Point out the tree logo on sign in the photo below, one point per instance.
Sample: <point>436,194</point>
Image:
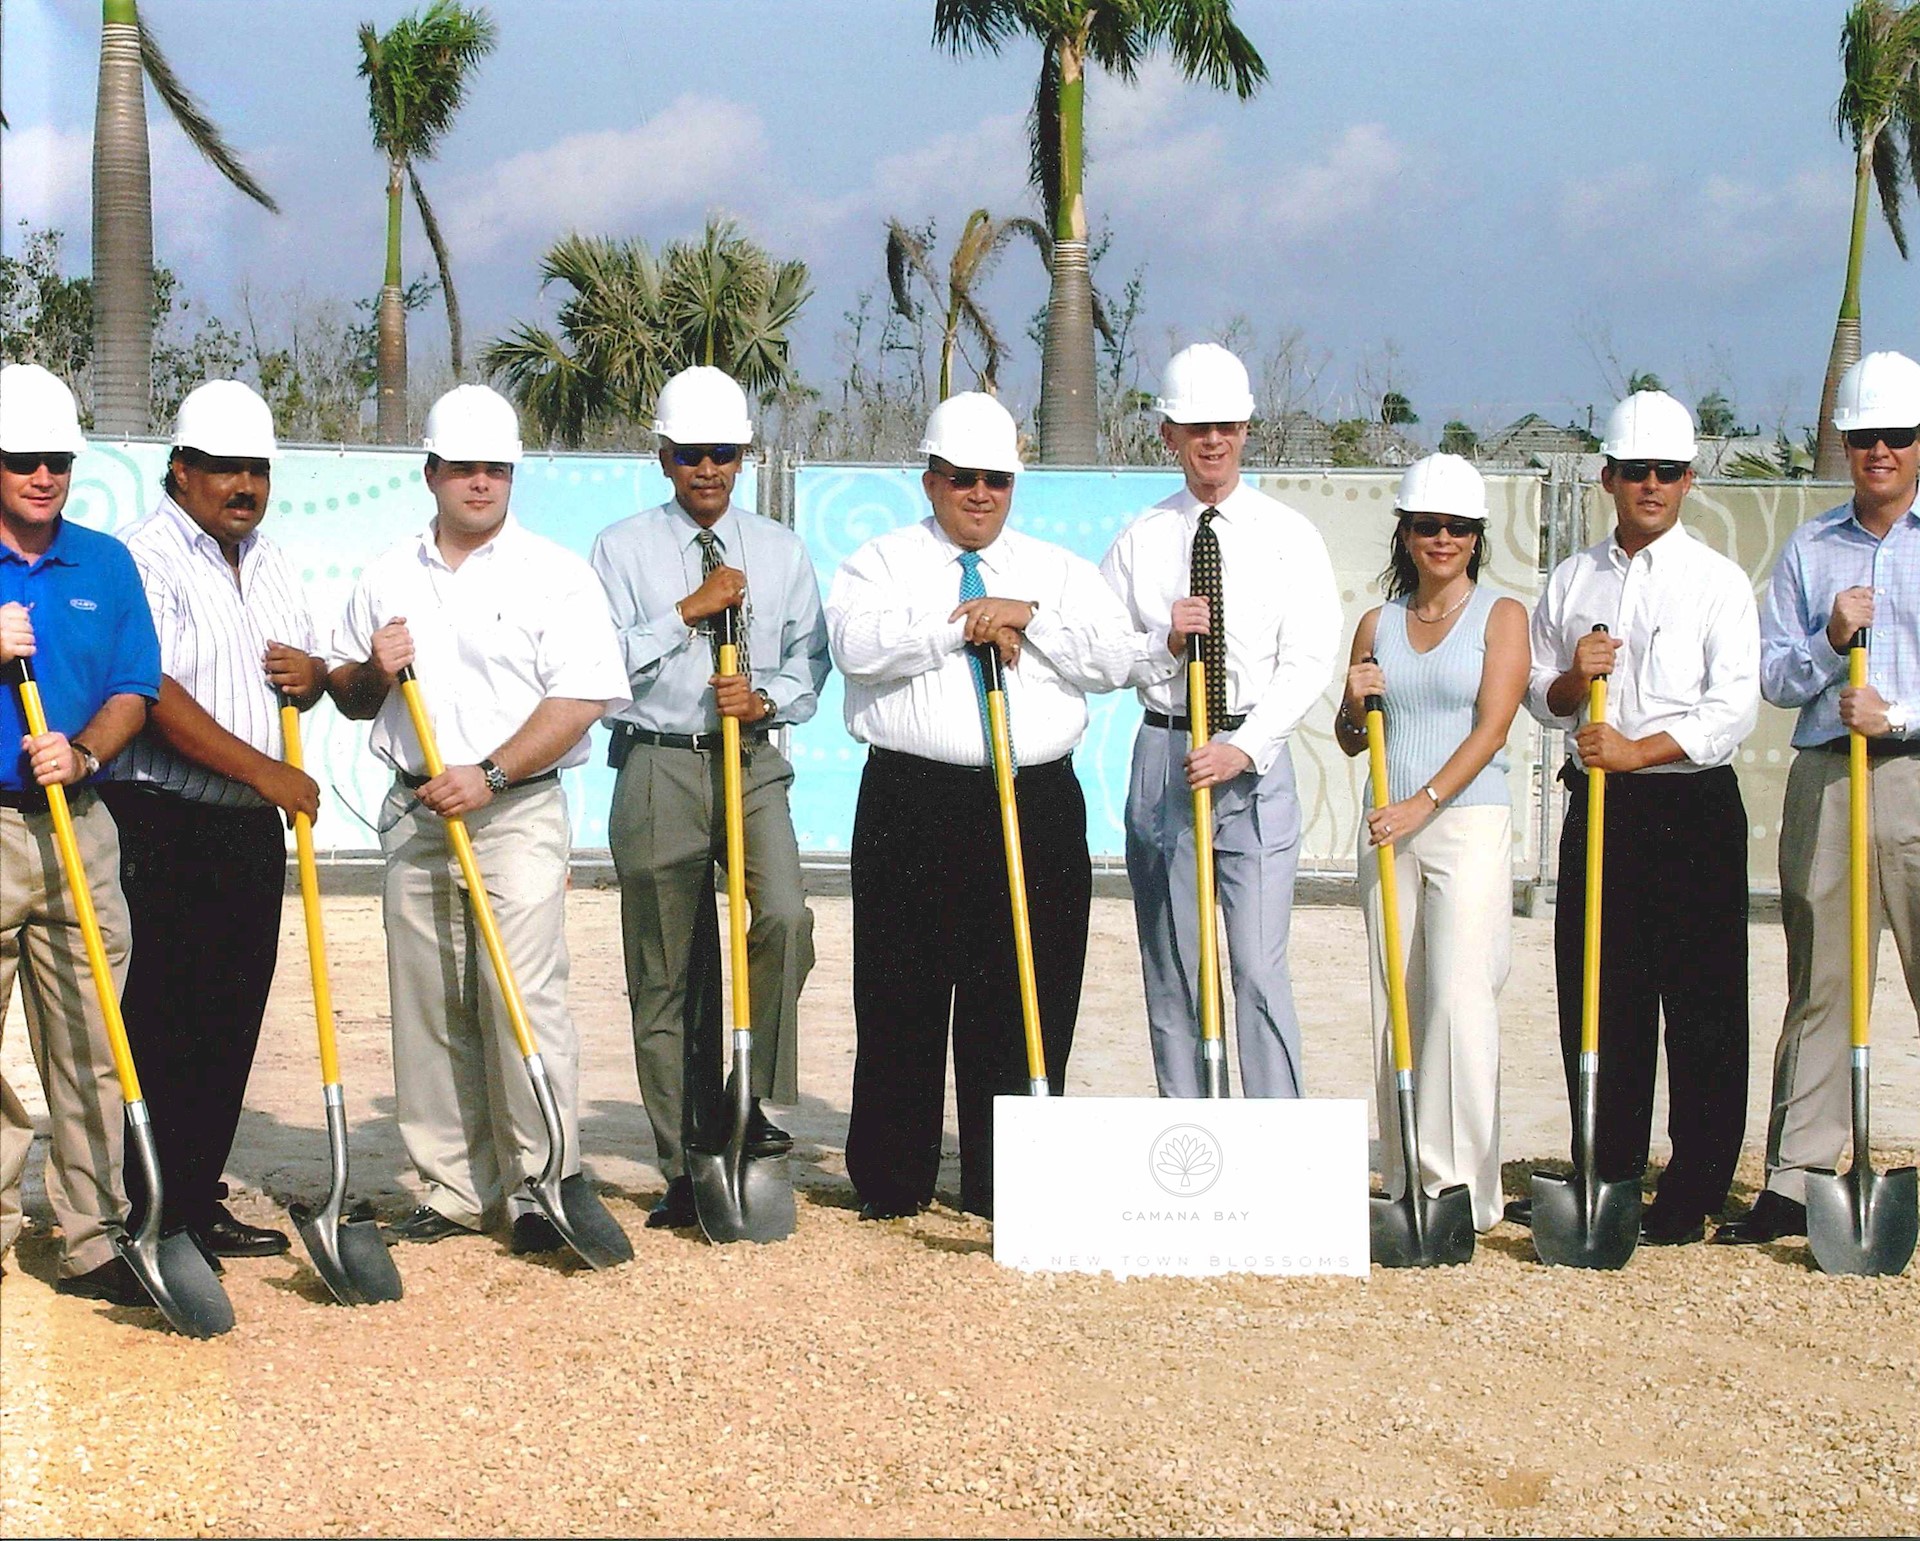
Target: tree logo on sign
<point>1185,1160</point>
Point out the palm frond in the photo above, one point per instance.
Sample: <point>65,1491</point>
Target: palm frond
<point>968,26</point>
<point>906,256</point>
<point>439,245</point>
<point>1043,138</point>
<point>1889,177</point>
<point>201,131</point>
<point>418,72</point>
<point>1206,44</point>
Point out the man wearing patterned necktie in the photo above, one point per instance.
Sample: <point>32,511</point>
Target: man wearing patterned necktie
<point>1250,578</point>
<point>932,932</point>
<point>669,573</point>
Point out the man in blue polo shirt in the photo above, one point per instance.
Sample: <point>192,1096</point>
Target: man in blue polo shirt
<point>70,599</point>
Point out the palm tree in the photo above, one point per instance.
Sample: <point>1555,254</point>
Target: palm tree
<point>416,77</point>
<point>982,239</point>
<point>634,319</point>
<point>1879,111</point>
<point>1117,35</point>
<point>123,210</point>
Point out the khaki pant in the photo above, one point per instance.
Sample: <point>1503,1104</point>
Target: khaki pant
<point>1812,1116</point>
<point>41,944</point>
<point>465,1105</point>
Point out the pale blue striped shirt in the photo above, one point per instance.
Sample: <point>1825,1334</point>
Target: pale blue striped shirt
<point>1798,666</point>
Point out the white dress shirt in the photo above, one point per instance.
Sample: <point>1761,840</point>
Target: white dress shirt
<point>520,620</point>
<point>1283,610</point>
<point>1690,666</point>
<point>213,640</point>
<point>909,685</point>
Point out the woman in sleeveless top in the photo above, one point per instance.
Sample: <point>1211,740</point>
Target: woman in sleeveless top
<point>1450,661</point>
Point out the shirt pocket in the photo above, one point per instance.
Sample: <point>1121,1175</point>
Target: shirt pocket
<point>1670,672</point>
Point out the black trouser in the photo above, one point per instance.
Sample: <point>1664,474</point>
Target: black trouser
<point>1673,940</point>
<point>203,888</point>
<point>933,941</point>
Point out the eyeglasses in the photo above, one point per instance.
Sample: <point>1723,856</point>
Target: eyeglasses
<point>687,456</point>
<point>1667,472</point>
<point>1857,438</point>
<point>1428,525</point>
<point>29,462</point>
<point>964,481</point>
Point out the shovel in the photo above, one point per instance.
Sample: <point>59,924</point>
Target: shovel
<point>569,1202</point>
<point>172,1268</point>
<point>1580,1221</point>
<point>1415,1231</point>
<point>1213,1046</point>
<point>737,1196</point>
<point>1861,1221</point>
<point>349,1254</point>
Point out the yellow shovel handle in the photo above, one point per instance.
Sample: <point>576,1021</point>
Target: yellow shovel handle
<point>1858,829</point>
<point>1389,897</point>
<point>1596,857</point>
<point>736,851</point>
<point>1201,731</point>
<point>1016,884</point>
<point>310,903</point>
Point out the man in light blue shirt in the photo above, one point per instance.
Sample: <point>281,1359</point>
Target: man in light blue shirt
<point>669,573</point>
<point>1853,568</point>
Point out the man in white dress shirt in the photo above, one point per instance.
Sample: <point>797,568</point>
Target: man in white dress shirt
<point>1682,656</point>
<point>932,932</point>
<point>199,798</point>
<point>516,658</point>
<point>1269,657</point>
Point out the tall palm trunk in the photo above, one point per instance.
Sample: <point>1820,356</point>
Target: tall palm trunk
<point>1829,453</point>
<point>391,354</point>
<point>1069,420</point>
<point>122,230</point>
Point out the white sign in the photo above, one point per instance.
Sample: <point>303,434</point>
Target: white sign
<point>1145,1185</point>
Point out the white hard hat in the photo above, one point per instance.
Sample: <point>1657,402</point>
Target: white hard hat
<point>1650,425</point>
<point>703,405</point>
<point>473,423</point>
<point>37,412</point>
<point>1442,484</point>
<point>1881,391</point>
<point>974,432</point>
<point>225,418</point>
<point>1205,384</point>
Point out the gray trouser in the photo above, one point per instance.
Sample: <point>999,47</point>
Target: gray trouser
<point>667,829</point>
<point>466,1108</point>
<point>1812,1115</point>
<point>40,941</point>
<point>1256,844</point>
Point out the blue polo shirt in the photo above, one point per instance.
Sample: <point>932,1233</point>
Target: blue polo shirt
<point>93,636</point>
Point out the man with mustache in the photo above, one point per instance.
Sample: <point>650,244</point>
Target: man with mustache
<point>199,797</point>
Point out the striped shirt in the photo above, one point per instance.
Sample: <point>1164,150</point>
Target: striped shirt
<point>213,642</point>
<point>1432,702</point>
<point>1798,666</point>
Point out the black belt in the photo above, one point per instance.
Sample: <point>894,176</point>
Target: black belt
<point>900,760</point>
<point>704,743</point>
<point>1877,748</point>
<point>25,799</point>
<point>413,783</point>
<point>1180,724</point>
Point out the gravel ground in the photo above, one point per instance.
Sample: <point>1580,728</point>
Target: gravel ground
<point>880,1379</point>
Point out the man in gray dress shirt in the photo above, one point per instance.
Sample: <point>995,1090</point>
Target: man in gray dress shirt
<point>669,572</point>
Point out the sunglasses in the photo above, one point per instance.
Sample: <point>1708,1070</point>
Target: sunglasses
<point>1866,438</point>
<point>687,456</point>
<point>964,481</point>
<point>26,464</point>
<point>1667,472</point>
<point>1430,525</point>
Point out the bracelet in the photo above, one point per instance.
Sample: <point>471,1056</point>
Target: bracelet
<point>1428,789</point>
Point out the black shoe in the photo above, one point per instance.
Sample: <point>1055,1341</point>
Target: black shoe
<point>1518,1212</point>
<point>534,1232</point>
<point>223,1236</point>
<point>1671,1226</point>
<point>1773,1215</point>
<point>427,1224</point>
<point>114,1282</point>
<point>873,1210</point>
<point>763,1138</point>
<point>675,1211</point>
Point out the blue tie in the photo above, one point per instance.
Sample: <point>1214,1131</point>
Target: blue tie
<point>972,588</point>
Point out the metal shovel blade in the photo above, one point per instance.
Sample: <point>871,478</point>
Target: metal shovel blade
<point>1862,1221</point>
<point>740,1197</point>
<point>172,1268</point>
<point>349,1254</point>
<point>1438,1233</point>
<point>1575,1228</point>
<point>570,1202</point>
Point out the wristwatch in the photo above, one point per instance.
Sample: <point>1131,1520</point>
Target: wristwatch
<point>496,777</point>
<point>88,759</point>
<point>1899,720</point>
<point>766,701</point>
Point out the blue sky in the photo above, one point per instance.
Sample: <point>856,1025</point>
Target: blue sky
<point>1492,206</point>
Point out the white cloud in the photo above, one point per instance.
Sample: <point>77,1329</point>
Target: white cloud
<point>48,174</point>
<point>1351,183</point>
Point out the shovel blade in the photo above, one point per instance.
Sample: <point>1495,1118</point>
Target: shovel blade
<point>1890,1203</point>
<point>175,1272</point>
<point>748,1201</point>
<point>1440,1235</point>
<point>351,1258</point>
<point>1562,1233</point>
<point>322,1242</point>
<point>578,1215</point>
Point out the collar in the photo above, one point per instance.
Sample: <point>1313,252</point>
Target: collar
<point>1850,515</point>
<point>429,548</point>
<point>197,539</point>
<point>687,529</point>
<point>1190,506</point>
<point>56,551</point>
<point>991,556</point>
<point>1659,552</point>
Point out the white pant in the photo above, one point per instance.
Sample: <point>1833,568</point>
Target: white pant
<point>1455,882</point>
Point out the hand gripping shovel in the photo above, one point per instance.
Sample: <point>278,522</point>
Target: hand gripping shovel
<point>350,1255</point>
<point>737,1196</point>
<point>1415,1231</point>
<point>1861,1221</point>
<point>1579,1221</point>
<point>172,1267</point>
<point>1213,1044</point>
<point>569,1202</point>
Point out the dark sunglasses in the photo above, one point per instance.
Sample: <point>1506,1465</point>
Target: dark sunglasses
<point>964,481</point>
<point>688,456</point>
<point>26,464</point>
<point>1666,471</point>
<point>1430,525</point>
<point>1863,438</point>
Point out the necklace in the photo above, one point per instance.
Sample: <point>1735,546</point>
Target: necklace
<point>1435,620</point>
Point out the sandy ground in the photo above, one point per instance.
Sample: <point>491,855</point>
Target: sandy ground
<point>875,1379</point>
